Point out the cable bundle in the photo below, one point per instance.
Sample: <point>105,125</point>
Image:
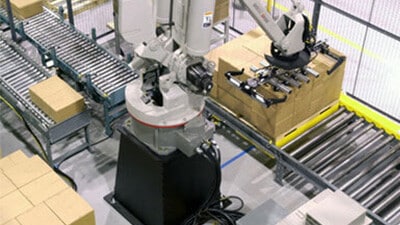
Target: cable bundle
<point>215,210</point>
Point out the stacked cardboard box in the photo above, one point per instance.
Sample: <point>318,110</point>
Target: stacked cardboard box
<point>279,120</point>
<point>23,9</point>
<point>57,99</point>
<point>226,50</point>
<point>32,194</point>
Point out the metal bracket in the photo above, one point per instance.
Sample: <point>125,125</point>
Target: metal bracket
<point>249,87</point>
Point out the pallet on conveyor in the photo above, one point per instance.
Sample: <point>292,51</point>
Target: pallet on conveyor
<point>17,73</point>
<point>103,75</point>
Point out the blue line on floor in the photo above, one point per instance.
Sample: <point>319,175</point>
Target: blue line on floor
<point>236,157</point>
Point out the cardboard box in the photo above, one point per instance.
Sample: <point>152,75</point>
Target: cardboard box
<point>6,186</point>
<point>234,104</point>
<point>71,208</point>
<point>24,9</point>
<point>221,10</point>
<point>57,99</point>
<point>13,205</point>
<point>39,215</point>
<point>43,188</point>
<point>23,173</point>
<point>12,222</point>
<point>12,160</point>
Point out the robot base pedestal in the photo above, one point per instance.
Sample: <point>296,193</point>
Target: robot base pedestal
<point>159,190</point>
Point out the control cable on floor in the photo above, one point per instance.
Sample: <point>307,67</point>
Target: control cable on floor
<point>78,152</point>
<point>43,154</point>
<point>216,207</point>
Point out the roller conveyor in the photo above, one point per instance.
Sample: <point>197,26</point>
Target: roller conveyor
<point>79,52</point>
<point>355,157</point>
<point>103,75</point>
<point>4,16</point>
<point>17,73</point>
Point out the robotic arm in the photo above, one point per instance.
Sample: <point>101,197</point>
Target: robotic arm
<point>167,101</point>
<point>290,34</point>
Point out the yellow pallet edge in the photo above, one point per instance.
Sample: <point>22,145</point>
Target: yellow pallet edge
<point>370,115</point>
<point>281,142</point>
<point>381,121</point>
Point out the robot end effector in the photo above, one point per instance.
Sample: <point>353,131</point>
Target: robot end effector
<point>291,34</point>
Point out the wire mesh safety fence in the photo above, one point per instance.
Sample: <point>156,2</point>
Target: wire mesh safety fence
<point>366,32</point>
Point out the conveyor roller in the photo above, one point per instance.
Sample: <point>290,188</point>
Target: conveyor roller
<point>80,53</point>
<point>17,74</point>
<point>355,157</point>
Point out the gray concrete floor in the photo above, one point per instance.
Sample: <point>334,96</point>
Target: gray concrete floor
<point>94,172</point>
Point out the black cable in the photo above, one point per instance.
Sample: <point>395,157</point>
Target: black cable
<point>66,176</point>
<point>57,169</point>
<point>78,152</point>
<point>216,210</point>
<point>43,155</point>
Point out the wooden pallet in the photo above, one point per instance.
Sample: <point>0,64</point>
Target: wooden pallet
<point>78,6</point>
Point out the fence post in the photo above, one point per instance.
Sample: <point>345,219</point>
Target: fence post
<point>70,13</point>
<point>315,17</point>
<point>11,20</point>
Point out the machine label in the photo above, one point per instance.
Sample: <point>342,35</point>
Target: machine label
<point>207,19</point>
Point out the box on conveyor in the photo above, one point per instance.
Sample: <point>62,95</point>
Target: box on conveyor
<point>23,9</point>
<point>57,99</point>
<point>279,120</point>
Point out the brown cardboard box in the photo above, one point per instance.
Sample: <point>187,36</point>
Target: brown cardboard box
<point>235,60</point>
<point>12,160</point>
<point>12,222</point>
<point>234,104</point>
<point>71,208</point>
<point>24,9</point>
<point>43,188</point>
<point>221,10</point>
<point>23,173</point>
<point>232,49</point>
<point>57,99</point>
<point>39,215</point>
<point>6,186</point>
<point>13,205</point>
<point>259,46</point>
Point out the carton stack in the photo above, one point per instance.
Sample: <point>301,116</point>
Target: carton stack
<point>280,120</point>
<point>31,193</point>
